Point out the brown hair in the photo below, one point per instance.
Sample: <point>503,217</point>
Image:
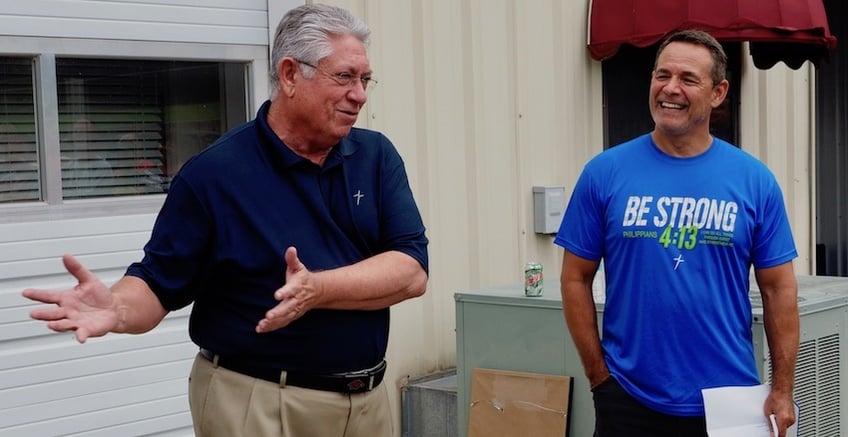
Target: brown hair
<point>703,39</point>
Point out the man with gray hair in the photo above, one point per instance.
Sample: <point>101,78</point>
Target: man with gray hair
<point>291,235</point>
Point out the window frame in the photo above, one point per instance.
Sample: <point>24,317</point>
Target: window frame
<point>45,51</point>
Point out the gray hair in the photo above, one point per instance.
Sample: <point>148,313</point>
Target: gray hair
<point>305,32</point>
<point>705,40</point>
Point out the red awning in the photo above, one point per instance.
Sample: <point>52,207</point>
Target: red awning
<point>792,31</point>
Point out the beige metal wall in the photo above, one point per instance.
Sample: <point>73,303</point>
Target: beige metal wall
<point>777,124</point>
<point>484,99</point>
<point>487,98</point>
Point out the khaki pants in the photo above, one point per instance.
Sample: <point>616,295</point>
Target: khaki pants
<point>228,404</point>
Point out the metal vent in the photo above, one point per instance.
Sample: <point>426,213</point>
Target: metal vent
<point>829,423</point>
<point>817,385</point>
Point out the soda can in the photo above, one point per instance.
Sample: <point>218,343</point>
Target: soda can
<point>533,279</point>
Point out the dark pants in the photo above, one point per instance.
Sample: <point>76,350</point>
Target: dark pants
<point>617,414</point>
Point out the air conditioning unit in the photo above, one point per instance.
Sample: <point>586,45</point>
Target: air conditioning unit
<point>821,373</point>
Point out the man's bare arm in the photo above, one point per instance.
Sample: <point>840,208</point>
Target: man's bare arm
<point>579,309</point>
<point>374,283</point>
<point>779,290</point>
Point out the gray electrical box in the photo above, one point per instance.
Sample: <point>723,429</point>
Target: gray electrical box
<point>500,328</point>
<point>548,206</point>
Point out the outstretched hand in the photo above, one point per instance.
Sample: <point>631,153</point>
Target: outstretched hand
<point>296,297</point>
<point>88,308</point>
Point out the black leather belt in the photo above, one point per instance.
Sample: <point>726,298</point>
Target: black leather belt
<point>356,382</point>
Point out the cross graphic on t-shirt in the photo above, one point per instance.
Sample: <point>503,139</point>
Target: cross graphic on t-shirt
<point>679,259</point>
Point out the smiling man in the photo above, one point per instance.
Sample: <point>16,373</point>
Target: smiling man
<point>292,235</point>
<point>679,217</point>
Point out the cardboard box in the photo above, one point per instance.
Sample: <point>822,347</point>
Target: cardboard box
<point>507,404</point>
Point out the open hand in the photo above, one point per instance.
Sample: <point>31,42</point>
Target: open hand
<point>296,297</point>
<point>88,308</point>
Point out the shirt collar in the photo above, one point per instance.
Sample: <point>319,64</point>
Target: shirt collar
<point>285,157</point>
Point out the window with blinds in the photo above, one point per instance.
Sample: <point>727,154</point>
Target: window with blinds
<point>126,126</point>
<point>19,172</point>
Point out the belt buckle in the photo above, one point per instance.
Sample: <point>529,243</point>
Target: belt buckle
<point>357,384</point>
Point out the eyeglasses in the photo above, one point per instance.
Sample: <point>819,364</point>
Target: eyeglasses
<point>343,79</point>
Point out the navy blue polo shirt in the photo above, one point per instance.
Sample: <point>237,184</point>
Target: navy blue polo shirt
<point>232,211</point>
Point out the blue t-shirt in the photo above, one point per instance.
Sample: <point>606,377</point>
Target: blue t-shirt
<point>678,237</point>
<point>232,211</point>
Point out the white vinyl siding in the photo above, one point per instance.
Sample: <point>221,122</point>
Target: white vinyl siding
<point>215,22</point>
<point>117,385</point>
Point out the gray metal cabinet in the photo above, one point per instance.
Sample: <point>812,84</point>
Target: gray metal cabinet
<point>500,328</point>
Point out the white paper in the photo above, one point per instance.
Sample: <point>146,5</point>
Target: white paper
<point>738,412</point>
